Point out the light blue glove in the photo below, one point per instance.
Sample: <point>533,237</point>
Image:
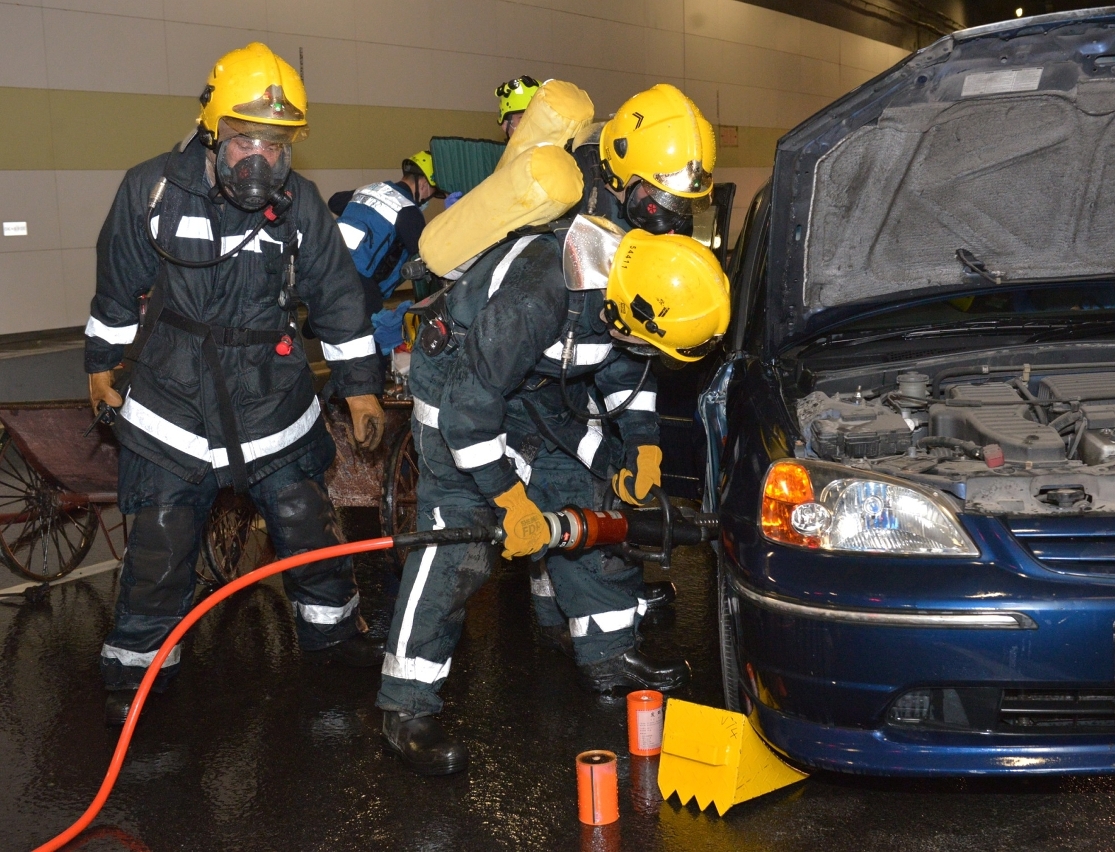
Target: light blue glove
<point>452,198</point>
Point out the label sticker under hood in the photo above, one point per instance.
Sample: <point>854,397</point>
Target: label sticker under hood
<point>1001,82</point>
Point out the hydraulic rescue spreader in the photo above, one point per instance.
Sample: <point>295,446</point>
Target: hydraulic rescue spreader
<point>648,534</point>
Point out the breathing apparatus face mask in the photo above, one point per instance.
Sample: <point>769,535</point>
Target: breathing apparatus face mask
<point>251,171</point>
<point>651,209</point>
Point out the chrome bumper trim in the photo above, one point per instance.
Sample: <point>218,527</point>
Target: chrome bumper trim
<point>963,619</point>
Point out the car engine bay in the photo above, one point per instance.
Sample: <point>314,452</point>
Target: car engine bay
<point>1017,440</point>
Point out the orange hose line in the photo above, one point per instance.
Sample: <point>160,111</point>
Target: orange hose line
<point>175,636</point>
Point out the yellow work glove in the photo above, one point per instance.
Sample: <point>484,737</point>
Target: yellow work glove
<point>633,486</point>
<point>525,530</point>
<point>101,390</point>
<point>368,420</point>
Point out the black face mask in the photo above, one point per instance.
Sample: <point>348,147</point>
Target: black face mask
<point>648,214</point>
<point>251,184</point>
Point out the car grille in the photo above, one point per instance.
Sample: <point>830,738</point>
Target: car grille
<point>1057,711</point>
<point>1061,544</point>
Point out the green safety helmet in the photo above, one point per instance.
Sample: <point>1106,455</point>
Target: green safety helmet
<point>514,95</point>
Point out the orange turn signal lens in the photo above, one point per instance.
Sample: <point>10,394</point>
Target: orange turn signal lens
<point>787,486</point>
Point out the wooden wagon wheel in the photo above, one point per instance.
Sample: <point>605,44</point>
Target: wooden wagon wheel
<point>400,492</point>
<point>235,540</point>
<point>44,531</point>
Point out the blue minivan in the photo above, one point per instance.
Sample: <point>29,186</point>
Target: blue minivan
<point>912,438</point>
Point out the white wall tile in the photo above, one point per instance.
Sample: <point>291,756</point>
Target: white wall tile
<point>665,53</point>
<point>526,33</point>
<point>33,293</point>
<point>79,283</point>
<point>703,57</point>
<point>596,43</point>
<point>84,199</point>
<point>22,47</point>
<point>329,66</point>
<point>702,17</point>
<point>471,27</point>
<point>29,196</point>
<point>820,42</point>
<point>105,53</point>
<point>394,22</point>
<point>193,49</point>
<point>128,8</point>
<point>323,18</point>
<point>665,15</point>
<point>238,14</point>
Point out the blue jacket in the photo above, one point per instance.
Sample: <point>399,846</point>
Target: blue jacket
<point>381,226</point>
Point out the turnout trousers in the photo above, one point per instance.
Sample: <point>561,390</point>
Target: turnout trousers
<point>598,594</point>
<point>157,580</point>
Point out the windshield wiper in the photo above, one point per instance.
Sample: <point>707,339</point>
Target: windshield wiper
<point>1072,328</point>
<point>923,332</point>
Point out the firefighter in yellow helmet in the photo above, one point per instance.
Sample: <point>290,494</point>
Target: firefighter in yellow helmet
<point>224,239</point>
<point>514,97</point>
<point>531,402</point>
<point>650,165</point>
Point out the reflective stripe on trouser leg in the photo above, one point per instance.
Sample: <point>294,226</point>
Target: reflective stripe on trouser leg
<point>437,582</point>
<point>542,597</point>
<point>156,590</point>
<point>599,594</point>
<point>326,603</point>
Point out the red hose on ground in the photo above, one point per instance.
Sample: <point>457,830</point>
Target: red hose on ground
<point>175,636</point>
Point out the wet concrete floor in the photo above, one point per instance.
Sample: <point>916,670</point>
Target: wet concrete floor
<point>254,748</point>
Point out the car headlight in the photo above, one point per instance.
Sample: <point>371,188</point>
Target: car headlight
<point>831,507</point>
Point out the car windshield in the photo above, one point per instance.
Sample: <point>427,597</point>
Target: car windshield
<point>1030,315</point>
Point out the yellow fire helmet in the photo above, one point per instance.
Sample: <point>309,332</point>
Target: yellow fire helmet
<point>421,165</point>
<point>258,94</point>
<point>660,136</point>
<point>514,95</point>
<point>669,291</point>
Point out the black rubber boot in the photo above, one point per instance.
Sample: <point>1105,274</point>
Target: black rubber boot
<point>659,595</point>
<point>361,651</point>
<point>555,637</point>
<point>117,704</point>
<point>423,744</point>
<point>634,670</point>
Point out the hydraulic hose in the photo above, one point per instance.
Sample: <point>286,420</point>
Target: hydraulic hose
<point>445,536</point>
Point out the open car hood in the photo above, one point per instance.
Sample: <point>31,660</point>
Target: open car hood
<point>997,140</point>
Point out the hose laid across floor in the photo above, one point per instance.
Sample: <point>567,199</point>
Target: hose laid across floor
<point>445,536</point>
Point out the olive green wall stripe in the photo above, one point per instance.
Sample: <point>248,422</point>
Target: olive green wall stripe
<point>63,130</point>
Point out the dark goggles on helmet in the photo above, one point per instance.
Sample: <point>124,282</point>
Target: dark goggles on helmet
<point>505,90</point>
<point>701,350</point>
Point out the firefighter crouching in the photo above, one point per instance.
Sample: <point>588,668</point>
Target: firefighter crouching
<point>224,238</point>
<point>528,396</point>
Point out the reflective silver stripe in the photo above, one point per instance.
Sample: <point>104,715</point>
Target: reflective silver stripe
<point>608,622</point>
<point>425,413</point>
<point>316,614</point>
<point>541,587</point>
<point>642,607</point>
<point>121,334</point>
<point>352,236</point>
<point>477,455</point>
<point>415,668</point>
<point>195,228</point>
<point>505,263</point>
<point>229,243</point>
<point>416,592</point>
<point>163,430</point>
<point>523,469</point>
<point>644,401</point>
<point>155,227</point>
<point>359,348</point>
<point>590,443</point>
<point>141,661</point>
<point>385,200</point>
<point>158,427</point>
<point>994,620</point>
<point>584,354</point>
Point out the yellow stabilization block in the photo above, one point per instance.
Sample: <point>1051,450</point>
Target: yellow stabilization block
<point>536,187</point>
<point>554,115</point>
<point>716,756</point>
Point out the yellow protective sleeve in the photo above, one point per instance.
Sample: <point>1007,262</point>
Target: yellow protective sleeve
<point>556,113</point>
<point>536,187</point>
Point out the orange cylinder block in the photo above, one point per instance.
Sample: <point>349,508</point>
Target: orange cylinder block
<point>644,722</point>
<point>597,788</point>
